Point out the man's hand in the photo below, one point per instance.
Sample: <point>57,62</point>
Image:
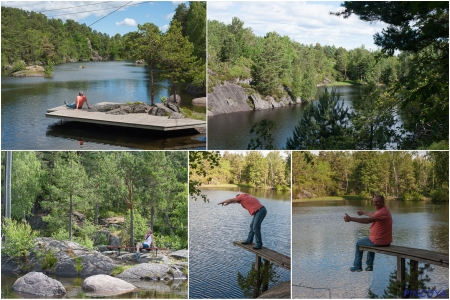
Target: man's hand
<point>347,218</point>
<point>360,212</point>
<point>224,203</point>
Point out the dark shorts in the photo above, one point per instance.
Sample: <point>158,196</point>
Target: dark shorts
<point>145,246</point>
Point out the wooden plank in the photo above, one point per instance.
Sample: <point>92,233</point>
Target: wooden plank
<point>427,256</point>
<point>140,120</point>
<point>268,254</point>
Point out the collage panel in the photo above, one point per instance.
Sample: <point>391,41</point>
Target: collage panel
<point>94,224</point>
<point>103,75</point>
<point>351,75</point>
<point>240,225</point>
<point>393,204</point>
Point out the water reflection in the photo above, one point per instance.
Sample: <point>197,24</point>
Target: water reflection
<point>256,281</point>
<point>175,289</point>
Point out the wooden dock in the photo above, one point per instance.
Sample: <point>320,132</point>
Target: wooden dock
<point>268,254</point>
<point>415,256</point>
<point>140,120</point>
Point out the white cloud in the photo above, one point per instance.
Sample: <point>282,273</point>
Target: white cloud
<point>127,22</point>
<point>164,28</point>
<point>304,22</point>
<point>169,16</point>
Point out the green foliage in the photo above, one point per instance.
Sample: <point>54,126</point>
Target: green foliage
<point>171,242</point>
<point>78,264</point>
<point>48,69</point>
<point>61,235</point>
<point>199,164</point>
<point>19,241</point>
<point>264,139</point>
<point>46,257</point>
<point>164,99</point>
<point>439,195</point>
<point>18,65</point>
<point>323,126</point>
<point>192,114</point>
<point>119,269</point>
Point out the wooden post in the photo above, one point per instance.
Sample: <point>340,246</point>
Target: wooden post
<point>414,275</point>
<point>258,276</point>
<point>265,275</point>
<point>401,275</point>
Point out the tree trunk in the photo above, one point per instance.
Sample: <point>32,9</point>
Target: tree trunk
<point>152,213</point>
<point>96,214</point>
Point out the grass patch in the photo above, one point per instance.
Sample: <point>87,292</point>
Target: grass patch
<point>119,269</point>
<point>344,83</point>
<point>192,114</point>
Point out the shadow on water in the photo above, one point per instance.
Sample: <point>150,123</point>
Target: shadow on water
<point>146,289</point>
<point>83,134</point>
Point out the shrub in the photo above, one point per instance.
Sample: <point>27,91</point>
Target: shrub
<point>18,65</point>
<point>61,235</point>
<point>48,69</point>
<point>19,240</point>
<point>439,195</point>
<point>164,99</point>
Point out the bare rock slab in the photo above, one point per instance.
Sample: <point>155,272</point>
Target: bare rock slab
<point>37,283</point>
<point>105,285</point>
<point>153,272</point>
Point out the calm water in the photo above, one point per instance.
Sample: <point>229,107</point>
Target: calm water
<point>24,102</point>
<point>323,246</point>
<point>213,260</point>
<point>146,289</point>
<point>232,131</point>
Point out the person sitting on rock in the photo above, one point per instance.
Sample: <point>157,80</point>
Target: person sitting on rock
<point>149,241</point>
<point>79,101</point>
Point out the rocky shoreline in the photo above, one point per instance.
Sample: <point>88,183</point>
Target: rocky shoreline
<point>231,97</point>
<point>96,267</point>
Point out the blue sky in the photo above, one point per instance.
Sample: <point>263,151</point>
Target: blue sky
<point>122,21</point>
<point>305,22</point>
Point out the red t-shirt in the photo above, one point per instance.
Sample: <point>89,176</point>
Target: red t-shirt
<point>381,229</point>
<point>80,101</point>
<point>249,202</point>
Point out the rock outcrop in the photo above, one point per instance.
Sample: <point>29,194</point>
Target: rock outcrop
<point>37,283</point>
<point>228,98</point>
<point>176,100</point>
<point>105,285</point>
<point>199,101</point>
<point>67,254</point>
<point>154,272</point>
<point>168,109</point>
<point>31,71</point>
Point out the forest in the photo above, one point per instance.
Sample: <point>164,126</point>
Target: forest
<point>51,190</point>
<point>32,38</point>
<point>408,176</point>
<point>407,77</point>
<point>252,169</point>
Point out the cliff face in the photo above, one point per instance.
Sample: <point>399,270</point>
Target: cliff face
<point>229,98</point>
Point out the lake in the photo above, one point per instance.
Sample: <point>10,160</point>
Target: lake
<point>323,246</point>
<point>214,261</point>
<point>26,100</point>
<point>146,289</point>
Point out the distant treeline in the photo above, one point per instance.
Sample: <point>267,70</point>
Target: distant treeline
<point>34,38</point>
<point>253,169</point>
<point>396,175</point>
<point>274,61</point>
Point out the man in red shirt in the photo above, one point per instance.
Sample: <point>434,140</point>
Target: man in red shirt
<point>79,101</point>
<point>257,210</point>
<point>380,232</point>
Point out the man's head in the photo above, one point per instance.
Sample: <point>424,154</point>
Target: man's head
<point>80,93</point>
<point>378,202</point>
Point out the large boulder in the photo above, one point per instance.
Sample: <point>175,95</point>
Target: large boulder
<point>105,285</point>
<point>37,283</point>
<point>227,98</point>
<point>180,254</point>
<point>153,272</point>
<point>199,101</point>
<point>195,90</point>
<point>67,254</point>
<point>176,100</point>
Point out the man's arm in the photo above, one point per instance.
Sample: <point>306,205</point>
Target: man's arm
<point>365,213</point>
<point>76,103</point>
<point>87,103</point>
<point>347,218</point>
<point>229,201</point>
